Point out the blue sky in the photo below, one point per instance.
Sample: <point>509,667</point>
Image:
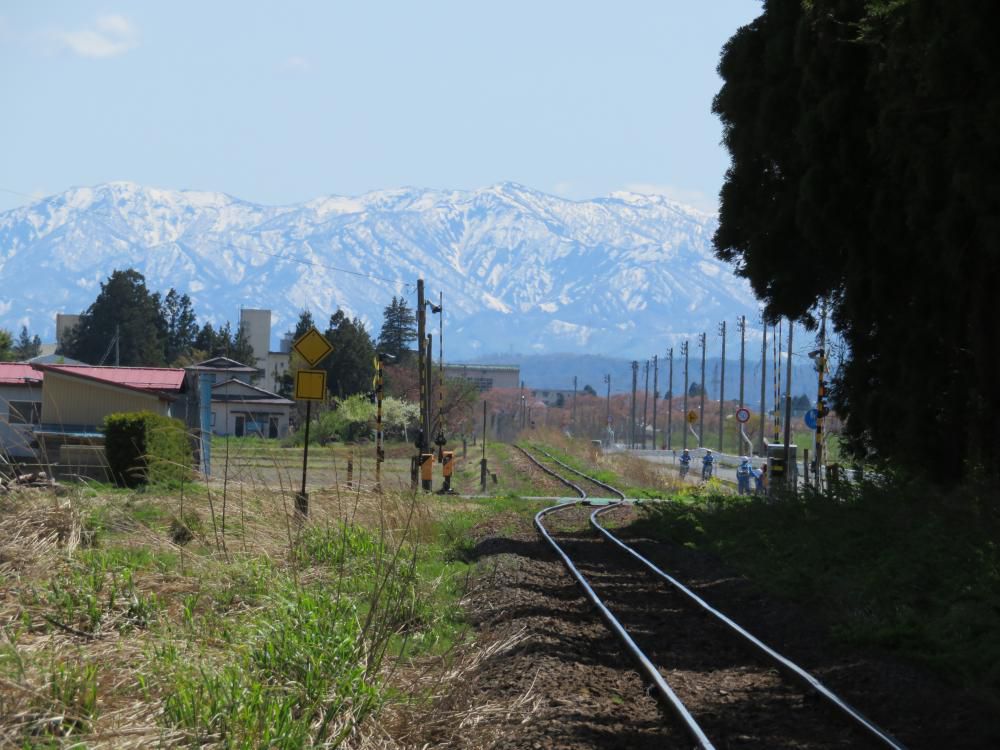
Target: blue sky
<point>279,103</point>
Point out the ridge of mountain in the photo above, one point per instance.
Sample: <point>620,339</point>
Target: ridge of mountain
<point>622,275</point>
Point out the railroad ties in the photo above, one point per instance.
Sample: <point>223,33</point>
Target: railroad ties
<point>725,686</point>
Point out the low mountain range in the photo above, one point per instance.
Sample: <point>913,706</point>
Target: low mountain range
<point>627,275</point>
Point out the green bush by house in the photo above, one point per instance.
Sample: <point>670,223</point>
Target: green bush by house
<point>146,448</point>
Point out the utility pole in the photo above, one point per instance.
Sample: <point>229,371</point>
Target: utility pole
<point>701,417</point>
<point>820,398</point>
<point>607,427</point>
<point>722,388</point>
<point>670,401</point>
<point>763,389</point>
<point>574,399</point>
<point>656,396</point>
<point>684,350</point>
<point>522,404</point>
<point>118,339</point>
<point>777,379</point>
<point>741,324</point>
<point>789,473</point>
<point>645,404</point>
<point>635,376</point>
<point>425,426</point>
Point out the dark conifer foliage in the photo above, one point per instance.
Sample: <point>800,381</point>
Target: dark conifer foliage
<point>399,329</point>
<point>27,346</point>
<point>126,309</point>
<point>182,326</point>
<point>865,144</point>
<point>350,365</point>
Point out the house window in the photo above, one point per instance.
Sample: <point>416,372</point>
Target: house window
<point>24,412</point>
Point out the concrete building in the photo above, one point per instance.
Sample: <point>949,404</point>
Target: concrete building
<point>485,377</point>
<point>64,324</point>
<point>271,365</point>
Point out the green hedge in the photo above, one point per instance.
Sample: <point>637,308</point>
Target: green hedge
<point>146,448</point>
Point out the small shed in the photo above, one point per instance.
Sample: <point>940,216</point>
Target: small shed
<point>77,398</point>
<point>20,409</point>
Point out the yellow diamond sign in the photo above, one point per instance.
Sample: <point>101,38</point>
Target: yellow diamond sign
<point>313,346</point>
<point>310,385</point>
<point>692,416</point>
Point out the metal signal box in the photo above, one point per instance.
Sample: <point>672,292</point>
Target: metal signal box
<point>449,463</point>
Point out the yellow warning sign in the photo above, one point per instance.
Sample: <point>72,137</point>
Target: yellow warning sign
<point>313,346</point>
<point>310,385</point>
<point>692,416</point>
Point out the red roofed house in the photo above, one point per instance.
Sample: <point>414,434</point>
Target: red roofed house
<point>20,408</point>
<point>77,398</point>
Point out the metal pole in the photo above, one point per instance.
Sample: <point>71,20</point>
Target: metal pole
<point>670,402</point>
<point>742,325</point>
<point>701,418</point>
<point>635,380</point>
<point>302,499</point>
<point>656,395</point>
<point>574,399</point>
<point>645,404</point>
<point>821,399</point>
<point>607,427</point>
<point>482,464</point>
<point>776,344</point>
<point>422,372</point>
<point>379,438</point>
<point>429,379</point>
<point>763,390</point>
<point>789,474</point>
<point>722,390</point>
<point>684,350</point>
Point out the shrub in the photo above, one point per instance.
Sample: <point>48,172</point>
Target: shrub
<point>143,447</point>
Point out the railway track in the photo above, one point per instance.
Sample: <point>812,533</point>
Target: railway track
<point>726,687</point>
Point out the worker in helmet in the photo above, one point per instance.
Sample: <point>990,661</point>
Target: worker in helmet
<point>707,464</point>
<point>743,473</point>
<point>685,461</point>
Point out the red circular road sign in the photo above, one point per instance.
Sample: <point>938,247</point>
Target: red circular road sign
<point>743,415</point>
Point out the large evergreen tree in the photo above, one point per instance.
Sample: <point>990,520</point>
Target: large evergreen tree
<point>399,328</point>
<point>864,137</point>
<point>349,366</point>
<point>126,309</point>
<point>182,327</point>
<point>6,346</point>
<point>27,346</point>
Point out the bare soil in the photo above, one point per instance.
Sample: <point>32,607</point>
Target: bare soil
<point>562,680</point>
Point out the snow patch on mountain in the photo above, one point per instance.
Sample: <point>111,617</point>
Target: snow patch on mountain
<point>521,270</point>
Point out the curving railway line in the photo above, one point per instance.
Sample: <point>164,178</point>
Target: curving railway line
<point>725,686</point>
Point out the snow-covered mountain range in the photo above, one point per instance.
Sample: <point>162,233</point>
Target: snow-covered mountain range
<point>626,275</point>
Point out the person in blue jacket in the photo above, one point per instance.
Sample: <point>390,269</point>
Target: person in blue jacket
<point>706,464</point>
<point>743,474</point>
<point>685,461</point>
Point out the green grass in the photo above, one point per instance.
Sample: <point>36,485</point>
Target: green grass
<point>895,566</point>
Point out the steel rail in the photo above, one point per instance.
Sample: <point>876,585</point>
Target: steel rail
<point>579,490</point>
<point>788,667</point>
<point>648,667</point>
<point>666,692</point>
<point>589,478</point>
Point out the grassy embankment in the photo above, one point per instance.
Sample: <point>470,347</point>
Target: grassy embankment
<point>210,616</point>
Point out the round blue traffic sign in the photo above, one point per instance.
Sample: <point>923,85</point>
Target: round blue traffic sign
<point>811,416</point>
